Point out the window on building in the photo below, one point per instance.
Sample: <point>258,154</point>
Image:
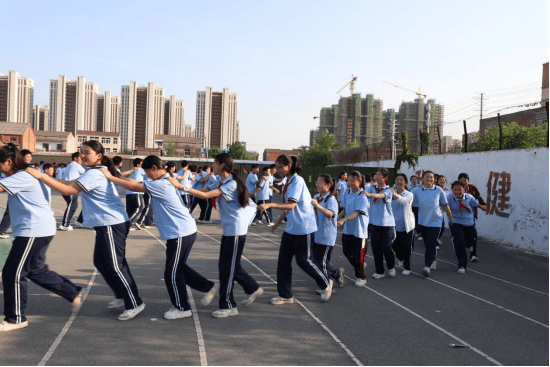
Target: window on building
<point>115,140</point>
<point>115,150</point>
<point>59,147</point>
<point>105,140</point>
<point>82,139</point>
<point>107,150</point>
<point>94,138</point>
<point>13,138</point>
<point>187,152</point>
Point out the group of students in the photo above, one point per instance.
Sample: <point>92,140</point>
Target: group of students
<point>377,211</point>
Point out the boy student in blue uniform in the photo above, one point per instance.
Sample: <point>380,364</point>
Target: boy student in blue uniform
<point>33,229</point>
<point>134,200</point>
<point>326,209</point>
<point>177,227</point>
<point>252,180</point>
<point>472,190</point>
<point>103,210</point>
<point>341,188</point>
<point>297,239</point>
<point>207,177</point>
<point>262,196</point>
<point>185,177</point>
<point>383,225</point>
<point>463,231</point>
<point>430,199</point>
<point>73,171</point>
<point>355,220</point>
<point>441,182</point>
<point>403,245</point>
<point>236,213</point>
<point>197,178</point>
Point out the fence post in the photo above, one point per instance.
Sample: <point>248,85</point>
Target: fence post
<point>548,122</point>
<point>439,135</point>
<point>500,132</point>
<point>465,137</point>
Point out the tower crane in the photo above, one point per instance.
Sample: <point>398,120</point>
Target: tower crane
<point>351,84</point>
<point>419,93</point>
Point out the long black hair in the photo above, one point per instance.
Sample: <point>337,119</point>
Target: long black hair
<point>331,182</point>
<point>168,166</point>
<point>285,159</point>
<point>227,160</point>
<point>360,177</point>
<point>97,147</point>
<point>10,151</point>
<point>153,160</point>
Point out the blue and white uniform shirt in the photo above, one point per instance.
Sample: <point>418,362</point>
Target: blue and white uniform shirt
<point>59,172</point>
<point>139,176</point>
<point>251,180</point>
<point>187,179</point>
<point>326,226</point>
<point>72,171</point>
<point>300,220</point>
<point>101,205</point>
<point>30,211</point>
<point>271,181</point>
<point>341,186</point>
<point>171,216</point>
<point>381,213</point>
<point>462,209</point>
<point>235,219</point>
<point>399,211</point>
<point>429,203</point>
<point>263,194</point>
<point>356,202</point>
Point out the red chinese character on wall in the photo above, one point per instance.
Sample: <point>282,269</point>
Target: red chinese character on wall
<point>498,188</point>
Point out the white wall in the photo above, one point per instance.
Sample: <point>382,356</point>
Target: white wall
<point>525,222</point>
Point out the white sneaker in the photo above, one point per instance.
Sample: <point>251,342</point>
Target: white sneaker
<point>137,226</point>
<point>320,291</point>
<point>4,235</point>
<point>78,224</point>
<point>8,326</point>
<point>426,271</point>
<point>132,228</point>
<point>327,292</point>
<point>225,313</point>
<point>461,270</point>
<point>270,224</point>
<point>260,222</point>
<point>360,282</point>
<point>116,303</point>
<point>281,301</point>
<point>406,272</point>
<point>420,238</point>
<point>399,262</point>
<point>437,247</point>
<point>63,228</point>
<point>251,298</point>
<point>378,276</point>
<point>253,224</point>
<point>200,221</point>
<point>175,313</point>
<point>434,265</point>
<point>130,314</point>
<point>391,273</point>
<point>340,281</point>
<point>209,296</point>
<point>474,259</point>
<point>77,302</point>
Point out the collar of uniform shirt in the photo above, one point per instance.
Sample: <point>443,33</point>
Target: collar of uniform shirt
<point>431,188</point>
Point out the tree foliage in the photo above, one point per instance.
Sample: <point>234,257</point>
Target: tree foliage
<point>514,136</point>
<point>352,144</point>
<point>238,150</point>
<point>425,141</point>
<point>405,156</point>
<point>320,153</point>
<point>170,149</point>
<point>214,151</point>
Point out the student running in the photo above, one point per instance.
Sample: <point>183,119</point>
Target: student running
<point>472,190</point>
<point>403,245</point>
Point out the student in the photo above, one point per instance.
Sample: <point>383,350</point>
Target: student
<point>103,210</point>
<point>441,182</point>
<point>383,225</point>
<point>33,229</point>
<point>355,220</point>
<point>73,171</point>
<point>48,169</point>
<point>236,213</point>
<point>326,209</point>
<point>472,190</point>
<point>177,227</point>
<point>207,177</point>
<point>368,181</point>
<point>59,171</point>
<point>262,195</point>
<point>196,182</point>
<point>403,245</point>
<point>41,166</point>
<point>134,200</point>
<point>341,188</point>
<point>413,185</point>
<point>185,177</point>
<point>117,161</point>
<point>430,199</point>
<point>463,231</point>
<point>297,238</point>
<point>252,180</point>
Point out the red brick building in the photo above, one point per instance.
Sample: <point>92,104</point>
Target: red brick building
<point>272,154</point>
<point>22,135</point>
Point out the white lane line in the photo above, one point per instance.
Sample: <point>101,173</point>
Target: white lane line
<point>334,337</point>
<point>57,341</point>
<point>432,324</point>
<point>461,291</point>
<point>487,275</point>
<point>198,328</point>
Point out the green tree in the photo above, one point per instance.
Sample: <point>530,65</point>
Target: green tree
<point>170,149</point>
<point>514,136</point>
<point>320,153</point>
<point>238,150</point>
<point>405,156</point>
<point>214,151</point>
<point>352,144</point>
<point>425,141</point>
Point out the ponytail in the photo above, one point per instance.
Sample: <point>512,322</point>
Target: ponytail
<point>10,151</point>
<point>293,160</point>
<point>227,160</point>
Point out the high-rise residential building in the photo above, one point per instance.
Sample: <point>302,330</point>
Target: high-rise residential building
<point>40,118</point>
<point>237,131</point>
<point>73,104</point>
<point>108,113</point>
<point>328,119</point>
<point>16,98</point>
<point>174,120</point>
<point>389,116</point>
<point>412,118</point>
<point>216,117</point>
<point>141,115</point>
<point>188,131</point>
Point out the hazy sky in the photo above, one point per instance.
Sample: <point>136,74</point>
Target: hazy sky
<point>285,59</point>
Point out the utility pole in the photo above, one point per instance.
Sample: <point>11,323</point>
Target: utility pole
<point>481,110</point>
<point>392,121</point>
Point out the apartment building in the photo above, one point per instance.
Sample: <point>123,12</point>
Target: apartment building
<point>110,140</point>
<point>413,119</point>
<point>108,112</point>
<point>216,118</point>
<point>16,98</point>
<point>40,118</point>
<point>174,121</point>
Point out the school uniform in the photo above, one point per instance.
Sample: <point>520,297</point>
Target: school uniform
<point>235,221</point>
<point>103,210</point>
<point>205,205</point>
<point>355,231</point>
<point>187,180</point>
<point>472,190</point>
<point>463,231</point>
<point>250,183</point>
<point>134,200</point>
<point>71,172</point>
<point>430,217</point>
<point>262,197</point>
<point>383,229</point>
<point>414,207</point>
<point>325,237</point>
<point>341,186</point>
<point>403,245</point>
<point>59,172</point>
<point>439,243</point>
<point>33,228</point>
<point>194,200</point>
<point>177,227</point>
<point>6,221</point>
<point>146,216</point>
<point>298,238</point>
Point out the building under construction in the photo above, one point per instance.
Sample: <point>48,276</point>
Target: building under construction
<point>412,118</point>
